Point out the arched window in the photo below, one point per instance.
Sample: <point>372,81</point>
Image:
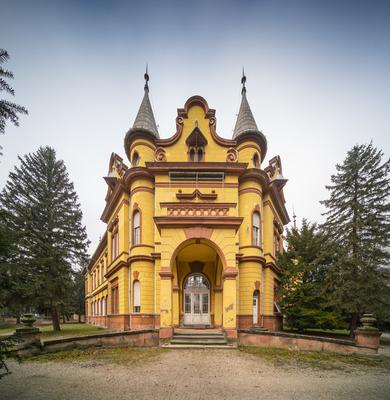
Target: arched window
<point>256,160</point>
<point>136,297</point>
<point>135,159</point>
<point>256,228</point>
<point>192,154</point>
<point>136,228</point>
<point>197,281</point>
<point>200,154</point>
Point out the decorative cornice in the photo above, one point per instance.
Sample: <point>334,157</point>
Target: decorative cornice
<point>215,222</point>
<point>255,174</point>
<point>257,259</point>
<point>113,200</point>
<point>137,172</point>
<point>142,189</point>
<point>116,268</point>
<point>228,167</point>
<point>250,190</point>
<point>273,268</point>
<point>135,258</point>
<point>101,246</point>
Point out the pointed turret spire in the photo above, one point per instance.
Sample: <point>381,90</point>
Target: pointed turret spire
<point>245,121</point>
<point>145,118</point>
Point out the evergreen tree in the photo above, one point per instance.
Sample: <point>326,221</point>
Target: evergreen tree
<point>8,109</point>
<point>358,220</point>
<point>40,207</point>
<point>304,265</point>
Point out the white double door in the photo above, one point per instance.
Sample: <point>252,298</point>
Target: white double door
<point>196,307</point>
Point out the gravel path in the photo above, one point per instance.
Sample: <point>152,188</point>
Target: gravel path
<point>190,374</point>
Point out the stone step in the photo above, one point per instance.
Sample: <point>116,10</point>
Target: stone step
<point>200,346</point>
<point>205,342</point>
<point>190,336</point>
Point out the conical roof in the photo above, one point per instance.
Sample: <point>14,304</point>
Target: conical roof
<point>245,120</point>
<point>144,120</point>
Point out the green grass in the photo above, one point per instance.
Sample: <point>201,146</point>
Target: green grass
<point>385,341</point>
<point>115,355</point>
<point>8,328</point>
<point>67,330</point>
<point>338,332</point>
<point>314,359</point>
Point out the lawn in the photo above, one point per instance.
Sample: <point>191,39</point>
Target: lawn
<point>115,355</point>
<point>67,330</point>
<point>319,360</point>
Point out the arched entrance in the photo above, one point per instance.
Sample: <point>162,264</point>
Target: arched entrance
<point>196,300</point>
<point>197,286</point>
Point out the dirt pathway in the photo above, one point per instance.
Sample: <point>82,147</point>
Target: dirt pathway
<point>190,374</point>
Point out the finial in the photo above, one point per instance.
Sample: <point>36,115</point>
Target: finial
<point>146,76</point>
<point>294,219</point>
<point>243,80</point>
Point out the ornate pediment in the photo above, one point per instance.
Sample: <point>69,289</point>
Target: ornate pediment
<point>196,194</point>
<point>196,138</point>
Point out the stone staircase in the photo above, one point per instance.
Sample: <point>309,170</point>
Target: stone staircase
<point>199,339</point>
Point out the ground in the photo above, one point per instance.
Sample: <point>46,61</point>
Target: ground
<point>245,373</point>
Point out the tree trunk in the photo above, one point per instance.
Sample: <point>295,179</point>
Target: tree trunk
<point>18,319</point>
<point>79,318</point>
<point>55,318</point>
<point>354,323</point>
<point>63,319</point>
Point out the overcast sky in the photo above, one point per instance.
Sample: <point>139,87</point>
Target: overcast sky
<point>318,81</point>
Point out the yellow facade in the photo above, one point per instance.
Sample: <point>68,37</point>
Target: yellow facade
<point>182,245</point>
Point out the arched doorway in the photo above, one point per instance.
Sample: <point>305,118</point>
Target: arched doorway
<point>196,300</point>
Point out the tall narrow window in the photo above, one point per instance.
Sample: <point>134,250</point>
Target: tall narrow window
<point>276,298</point>
<point>136,228</point>
<point>135,159</point>
<point>256,228</point>
<point>200,154</point>
<point>256,160</point>
<point>137,297</point>
<point>276,243</point>
<point>192,154</point>
<point>114,300</point>
<point>114,243</point>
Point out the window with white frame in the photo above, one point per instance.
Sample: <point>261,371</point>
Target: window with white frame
<point>136,297</point>
<point>256,228</point>
<point>136,228</point>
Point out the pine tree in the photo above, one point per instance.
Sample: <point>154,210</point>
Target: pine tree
<point>41,209</point>
<point>303,270</point>
<point>358,220</point>
<point>8,109</point>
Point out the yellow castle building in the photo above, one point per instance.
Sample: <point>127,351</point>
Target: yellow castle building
<point>194,225</point>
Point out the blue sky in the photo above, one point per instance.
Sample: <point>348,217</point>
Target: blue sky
<point>317,73</point>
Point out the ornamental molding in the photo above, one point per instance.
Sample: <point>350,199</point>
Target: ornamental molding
<point>198,209</point>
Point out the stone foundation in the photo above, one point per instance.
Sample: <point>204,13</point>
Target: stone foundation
<point>367,339</point>
<point>273,322</point>
<point>145,338</point>
<point>118,322</point>
<point>290,341</point>
<point>143,321</point>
